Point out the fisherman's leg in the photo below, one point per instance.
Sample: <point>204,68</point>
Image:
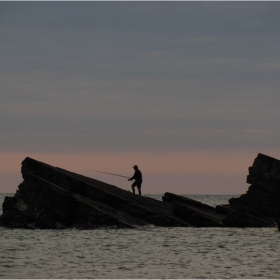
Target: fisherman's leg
<point>139,183</point>
<point>133,187</point>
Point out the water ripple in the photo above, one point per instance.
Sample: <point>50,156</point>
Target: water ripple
<point>151,253</point>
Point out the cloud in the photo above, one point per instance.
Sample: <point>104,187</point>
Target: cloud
<point>139,76</point>
<point>121,81</point>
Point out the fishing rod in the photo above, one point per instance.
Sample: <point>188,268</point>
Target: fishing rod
<point>110,174</point>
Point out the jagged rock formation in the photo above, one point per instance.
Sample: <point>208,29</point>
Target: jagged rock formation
<point>260,206</point>
<point>54,198</point>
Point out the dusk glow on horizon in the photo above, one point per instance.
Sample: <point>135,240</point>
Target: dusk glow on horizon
<point>188,91</point>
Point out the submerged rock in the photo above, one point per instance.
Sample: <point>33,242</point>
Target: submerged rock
<point>194,212</point>
<point>53,198</point>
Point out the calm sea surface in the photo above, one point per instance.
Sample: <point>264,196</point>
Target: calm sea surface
<point>150,253</point>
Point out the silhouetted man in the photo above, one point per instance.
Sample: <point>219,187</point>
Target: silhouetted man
<point>137,177</point>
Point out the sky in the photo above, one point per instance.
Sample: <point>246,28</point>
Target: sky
<point>188,91</point>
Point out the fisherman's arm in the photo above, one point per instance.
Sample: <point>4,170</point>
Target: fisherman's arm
<point>132,178</point>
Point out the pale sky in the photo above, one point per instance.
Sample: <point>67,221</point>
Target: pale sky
<point>189,91</point>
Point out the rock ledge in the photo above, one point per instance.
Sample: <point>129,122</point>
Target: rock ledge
<point>53,198</point>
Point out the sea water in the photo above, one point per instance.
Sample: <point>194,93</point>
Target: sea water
<point>146,253</point>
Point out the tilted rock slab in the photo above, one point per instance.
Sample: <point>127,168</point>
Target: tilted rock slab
<point>53,198</point>
<point>194,212</point>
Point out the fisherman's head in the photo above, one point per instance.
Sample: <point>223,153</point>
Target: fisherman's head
<point>135,167</point>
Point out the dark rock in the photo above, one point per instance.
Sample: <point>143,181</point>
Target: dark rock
<point>194,212</point>
<point>50,197</point>
<point>260,206</point>
<point>53,198</point>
